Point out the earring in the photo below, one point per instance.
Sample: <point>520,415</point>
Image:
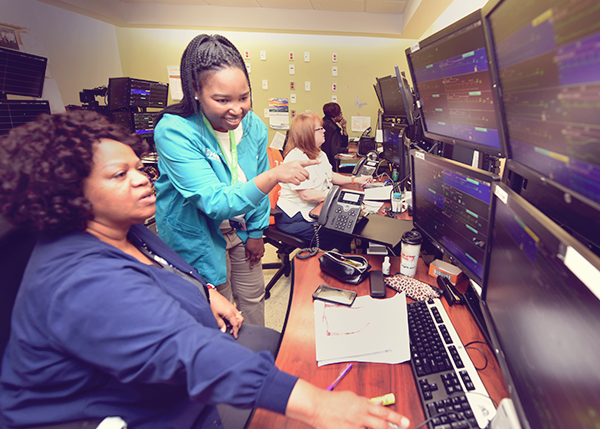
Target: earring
<point>196,97</point>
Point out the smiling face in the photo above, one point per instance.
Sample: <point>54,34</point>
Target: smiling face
<point>120,193</point>
<point>225,98</point>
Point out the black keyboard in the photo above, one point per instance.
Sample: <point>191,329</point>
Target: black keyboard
<point>449,386</point>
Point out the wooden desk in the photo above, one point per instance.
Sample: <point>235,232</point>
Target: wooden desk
<point>297,353</point>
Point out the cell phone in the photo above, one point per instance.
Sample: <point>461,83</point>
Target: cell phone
<point>377,286</point>
<point>334,295</point>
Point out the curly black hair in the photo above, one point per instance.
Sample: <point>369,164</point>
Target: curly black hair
<point>42,167</point>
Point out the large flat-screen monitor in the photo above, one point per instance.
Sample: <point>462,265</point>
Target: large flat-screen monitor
<point>541,301</point>
<point>21,73</point>
<point>127,92</point>
<point>547,57</point>
<point>17,112</point>
<point>391,100</point>
<point>452,81</point>
<point>452,207</point>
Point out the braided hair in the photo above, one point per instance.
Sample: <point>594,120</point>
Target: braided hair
<point>204,53</point>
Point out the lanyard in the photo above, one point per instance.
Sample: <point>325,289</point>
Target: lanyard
<point>233,166</point>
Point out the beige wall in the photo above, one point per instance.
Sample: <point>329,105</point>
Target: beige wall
<point>82,51</point>
<point>146,53</point>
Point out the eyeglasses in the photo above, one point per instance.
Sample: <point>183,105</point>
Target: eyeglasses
<point>320,129</point>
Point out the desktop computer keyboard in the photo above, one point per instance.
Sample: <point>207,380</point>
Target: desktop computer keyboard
<point>449,386</point>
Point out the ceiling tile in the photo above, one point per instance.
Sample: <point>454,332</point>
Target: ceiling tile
<point>340,5</point>
<point>386,6</point>
<point>233,3</point>
<point>285,4</point>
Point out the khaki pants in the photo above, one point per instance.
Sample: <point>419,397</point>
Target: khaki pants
<point>244,285</point>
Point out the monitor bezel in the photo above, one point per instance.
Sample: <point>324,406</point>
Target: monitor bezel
<point>472,18</point>
<point>466,170</point>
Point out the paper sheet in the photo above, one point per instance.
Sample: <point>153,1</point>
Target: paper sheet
<point>278,140</point>
<point>372,330</point>
<point>379,193</point>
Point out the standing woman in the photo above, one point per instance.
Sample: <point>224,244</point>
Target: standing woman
<point>211,205</point>
<point>306,137</point>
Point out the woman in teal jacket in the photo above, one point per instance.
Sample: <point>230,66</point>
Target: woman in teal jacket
<point>214,174</point>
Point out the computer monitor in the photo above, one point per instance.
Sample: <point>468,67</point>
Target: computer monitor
<point>17,112</point>
<point>392,147</point>
<point>126,92</point>
<point>453,84</point>
<point>547,57</point>
<point>541,301</point>
<point>452,208</point>
<point>577,215</point>
<point>21,73</point>
<point>392,103</point>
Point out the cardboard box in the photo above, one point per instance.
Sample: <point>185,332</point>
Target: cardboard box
<point>445,269</point>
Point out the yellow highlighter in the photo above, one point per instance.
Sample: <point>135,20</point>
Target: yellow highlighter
<point>388,399</point>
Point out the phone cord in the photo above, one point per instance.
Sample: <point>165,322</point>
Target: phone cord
<point>309,252</point>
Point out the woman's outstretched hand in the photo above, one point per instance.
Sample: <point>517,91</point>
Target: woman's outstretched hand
<point>339,410</point>
<point>293,172</point>
<point>290,172</point>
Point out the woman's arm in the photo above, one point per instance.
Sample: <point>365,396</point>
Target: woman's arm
<point>339,410</point>
<point>340,179</point>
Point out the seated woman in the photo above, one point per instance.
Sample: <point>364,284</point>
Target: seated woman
<point>306,136</point>
<point>110,321</point>
<point>336,135</point>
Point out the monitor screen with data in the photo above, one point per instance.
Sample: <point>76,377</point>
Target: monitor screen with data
<point>21,73</point>
<point>391,100</point>
<point>453,82</point>
<point>547,55</point>
<point>452,207</point>
<point>18,112</point>
<point>541,301</point>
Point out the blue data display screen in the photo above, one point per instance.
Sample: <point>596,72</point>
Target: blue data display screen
<point>454,210</point>
<point>548,59</point>
<point>453,81</point>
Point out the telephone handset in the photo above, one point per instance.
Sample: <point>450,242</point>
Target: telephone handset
<point>365,167</point>
<point>341,209</point>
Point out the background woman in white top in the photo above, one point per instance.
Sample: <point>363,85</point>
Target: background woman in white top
<point>305,138</point>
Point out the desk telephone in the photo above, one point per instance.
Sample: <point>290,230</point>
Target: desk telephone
<point>367,166</point>
<point>341,210</point>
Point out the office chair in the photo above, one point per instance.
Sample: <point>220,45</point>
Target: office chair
<point>284,243</point>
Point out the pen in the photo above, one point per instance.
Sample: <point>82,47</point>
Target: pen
<point>339,378</point>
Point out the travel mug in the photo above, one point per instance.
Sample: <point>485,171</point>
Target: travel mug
<point>411,248</point>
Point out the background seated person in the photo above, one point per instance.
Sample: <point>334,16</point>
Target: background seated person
<point>336,136</point>
<point>306,136</point>
<point>110,321</point>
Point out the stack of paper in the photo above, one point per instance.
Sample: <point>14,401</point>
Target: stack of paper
<point>372,330</point>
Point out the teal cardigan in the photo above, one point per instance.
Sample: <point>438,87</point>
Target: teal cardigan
<point>195,194</point>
